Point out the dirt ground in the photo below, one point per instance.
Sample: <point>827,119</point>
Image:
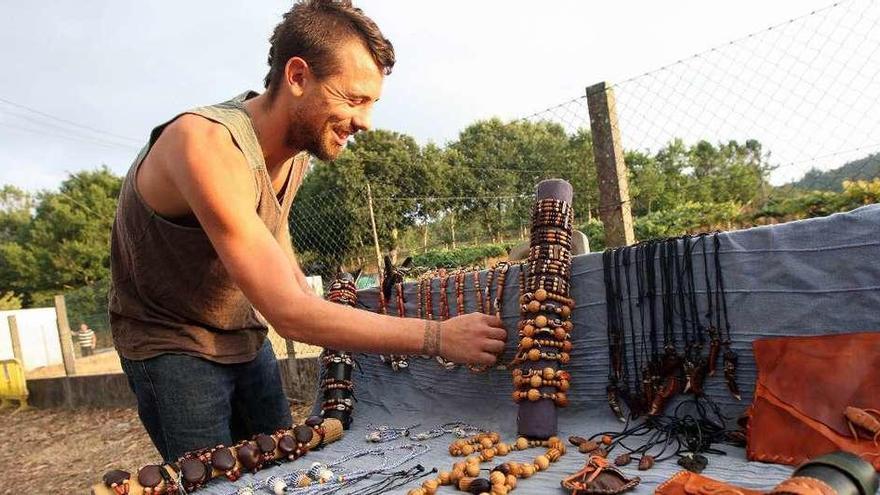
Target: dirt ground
<point>66,451</point>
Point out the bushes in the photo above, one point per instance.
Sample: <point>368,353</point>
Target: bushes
<point>460,257</point>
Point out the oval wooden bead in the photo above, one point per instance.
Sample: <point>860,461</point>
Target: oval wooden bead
<point>548,373</point>
<point>497,477</point>
<point>303,434</point>
<point>541,295</point>
<point>314,421</point>
<point>249,456</point>
<point>542,462</point>
<point>115,477</point>
<point>541,321</point>
<point>536,381</point>
<point>150,477</point>
<point>193,470</point>
<point>479,485</point>
<point>222,460</point>
<point>472,470</point>
<point>534,355</point>
<point>266,443</point>
<point>522,443</point>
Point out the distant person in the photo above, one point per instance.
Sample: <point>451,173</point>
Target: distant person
<point>86,339</point>
<point>201,258</point>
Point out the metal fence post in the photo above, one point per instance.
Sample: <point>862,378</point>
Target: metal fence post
<point>64,336</point>
<point>614,206</point>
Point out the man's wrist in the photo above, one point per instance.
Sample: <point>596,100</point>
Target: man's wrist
<point>431,340</point>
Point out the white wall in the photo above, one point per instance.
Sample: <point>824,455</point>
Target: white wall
<point>38,331</point>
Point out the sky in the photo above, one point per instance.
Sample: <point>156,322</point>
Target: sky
<point>122,67</point>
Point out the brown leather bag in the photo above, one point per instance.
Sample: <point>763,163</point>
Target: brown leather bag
<point>804,385</point>
<point>688,483</point>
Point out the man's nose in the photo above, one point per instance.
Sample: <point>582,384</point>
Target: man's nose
<point>362,121</point>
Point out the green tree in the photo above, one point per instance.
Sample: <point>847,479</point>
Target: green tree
<point>65,244</point>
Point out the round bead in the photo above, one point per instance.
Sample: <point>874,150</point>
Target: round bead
<point>456,475</point>
<point>528,470</point>
<point>561,399</point>
<point>486,442</point>
<point>564,357</point>
<point>494,436</point>
<point>534,355</point>
<point>563,385</point>
<point>565,312</point>
<point>527,343</point>
<point>416,491</point>
<point>548,373</point>
<point>472,469</point>
<point>500,489</point>
<point>430,486</point>
<point>541,321</point>
<point>542,462</point>
<point>606,439</point>
<point>534,394</point>
<point>511,481</point>
<point>535,381</point>
<point>529,330</point>
<point>502,448</point>
<point>467,450</point>
<point>522,443</point>
<point>533,306</point>
<point>497,477</point>
<point>444,477</point>
<point>559,333</point>
<point>479,485</point>
<point>541,295</point>
<point>566,346</point>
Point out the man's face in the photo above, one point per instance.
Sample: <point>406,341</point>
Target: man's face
<point>337,106</point>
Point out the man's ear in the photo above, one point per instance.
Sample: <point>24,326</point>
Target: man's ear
<point>296,75</point>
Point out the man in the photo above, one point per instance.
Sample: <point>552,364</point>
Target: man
<point>200,249</point>
<point>86,339</point>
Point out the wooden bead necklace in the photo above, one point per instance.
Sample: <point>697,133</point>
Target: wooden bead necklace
<point>504,477</point>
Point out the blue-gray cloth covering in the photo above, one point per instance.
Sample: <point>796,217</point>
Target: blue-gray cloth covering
<point>809,277</point>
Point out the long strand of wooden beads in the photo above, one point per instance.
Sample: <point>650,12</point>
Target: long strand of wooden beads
<point>502,478</point>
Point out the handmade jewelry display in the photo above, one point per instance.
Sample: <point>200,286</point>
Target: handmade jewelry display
<point>195,469</point>
<point>545,313</point>
<point>692,430</point>
<point>660,342</point>
<point>503,478</point>
<point>334,476</point>
<point>336,384</point>
<point>391,289</point>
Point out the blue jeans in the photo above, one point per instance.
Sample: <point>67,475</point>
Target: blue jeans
<point>188,403</point>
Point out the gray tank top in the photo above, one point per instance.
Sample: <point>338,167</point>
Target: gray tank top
<point>170,293</point>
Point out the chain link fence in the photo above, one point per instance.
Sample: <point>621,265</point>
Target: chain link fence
<point>777,125</point>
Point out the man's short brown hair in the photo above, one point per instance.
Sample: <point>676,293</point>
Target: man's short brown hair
<point>313,29</point>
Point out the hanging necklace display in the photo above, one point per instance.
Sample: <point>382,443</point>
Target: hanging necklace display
<point>336,383</point>
<point>545,314</point>
<point>646,375</point>
<point>730,358</point>
<point>391,286</point>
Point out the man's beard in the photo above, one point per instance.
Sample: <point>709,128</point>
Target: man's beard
<point>304,135</point>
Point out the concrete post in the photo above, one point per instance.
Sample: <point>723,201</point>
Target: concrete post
<point>614,205</point>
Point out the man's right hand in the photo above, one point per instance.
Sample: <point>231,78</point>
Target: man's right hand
<point>474,338</point>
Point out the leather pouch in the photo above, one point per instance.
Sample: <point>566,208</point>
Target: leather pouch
<point>688,483</point>
<point>804,385</point>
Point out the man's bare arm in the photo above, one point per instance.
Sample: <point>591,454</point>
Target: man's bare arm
<point>210,174</point>
<point>299,275</point>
